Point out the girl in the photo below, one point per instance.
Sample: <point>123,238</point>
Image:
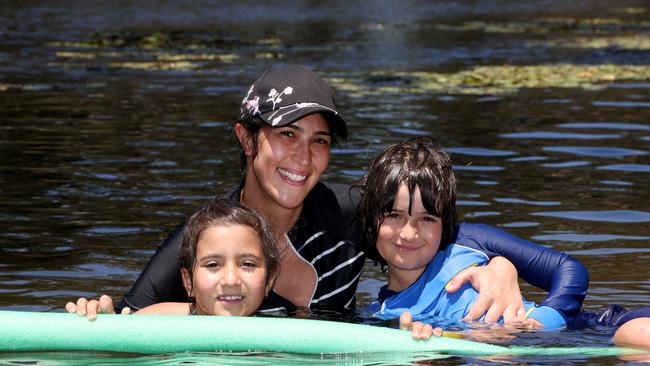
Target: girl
<point>228,260</point>
<point>415,233</point>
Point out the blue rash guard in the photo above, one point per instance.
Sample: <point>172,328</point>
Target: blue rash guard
<point>427,296</point>
<point>564,277</point>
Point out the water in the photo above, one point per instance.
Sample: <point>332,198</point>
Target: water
<point>114,126</point>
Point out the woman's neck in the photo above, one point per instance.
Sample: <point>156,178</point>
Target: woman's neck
<point>280,219</point>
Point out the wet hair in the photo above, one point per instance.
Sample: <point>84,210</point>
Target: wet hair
<point>224,212</point>
<point>419,162</point>
<point>253,124</point>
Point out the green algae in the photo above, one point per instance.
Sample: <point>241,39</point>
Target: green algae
<point>550,26</point>
<point>628,42</point>
<point>493,80</point>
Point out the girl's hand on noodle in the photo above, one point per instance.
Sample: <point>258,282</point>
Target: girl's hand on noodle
<point>499,293</point>
<point>91,308</point>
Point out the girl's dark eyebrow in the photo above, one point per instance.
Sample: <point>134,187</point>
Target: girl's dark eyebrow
<point>209,257</point>
<point>219,256</point>
<point>249,255</point>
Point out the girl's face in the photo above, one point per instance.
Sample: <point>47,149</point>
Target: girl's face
<point>230,273</point>
<point>290,160</point>
<point>408,242</point>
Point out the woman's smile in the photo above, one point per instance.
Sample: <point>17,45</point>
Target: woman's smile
<point>291,177</point>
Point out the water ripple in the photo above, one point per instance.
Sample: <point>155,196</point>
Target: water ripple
<point>471,203</point>
<point>626,216</point>
<point>571,237</point>
<point>532,203</point>
<point>616,182</point>
<point>117,230</point>
<point>642,168</point>
<point>606,125</point>
<point>528,158</point>
<point>558,135</point>
<point>521,224</point>
<point>482,214</point>
<point>478,168</point>
<point>595,151</point>
<point>609,251</point>
<point>408,131</point>
<point>567,164</point>
<point>477,151</point>
<point>621,104</point>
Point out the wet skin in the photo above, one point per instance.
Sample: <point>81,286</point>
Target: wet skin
<point>289,162</point>
<point>229,274</point>
<point>408,241</point>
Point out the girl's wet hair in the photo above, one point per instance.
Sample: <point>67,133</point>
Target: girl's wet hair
<point>419,162</point>
<point>224,212</point>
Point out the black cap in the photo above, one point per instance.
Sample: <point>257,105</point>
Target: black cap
<point>282,95</point>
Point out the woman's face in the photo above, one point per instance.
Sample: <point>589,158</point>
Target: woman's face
<point>290,161</point>
<point>230,272</point>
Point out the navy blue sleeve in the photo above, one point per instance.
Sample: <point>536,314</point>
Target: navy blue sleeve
<point>563,276</point>
<point>160,281</point>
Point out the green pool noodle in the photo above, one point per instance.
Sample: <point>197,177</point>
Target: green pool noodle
<point>150,334</point>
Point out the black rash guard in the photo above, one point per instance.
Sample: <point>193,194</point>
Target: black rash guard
<point>327,238</point>
<point>324,236</point>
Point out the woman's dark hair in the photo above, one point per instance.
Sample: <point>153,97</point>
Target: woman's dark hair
<point>419,162</point>
<point>224,212</point>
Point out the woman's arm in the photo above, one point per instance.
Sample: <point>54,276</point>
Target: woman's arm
<point>563,276</point>
<point>498,288</point>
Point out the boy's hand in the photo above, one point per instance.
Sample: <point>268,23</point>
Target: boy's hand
<point>418,329</point>
<point>499,293</point>
<point>91,308</point>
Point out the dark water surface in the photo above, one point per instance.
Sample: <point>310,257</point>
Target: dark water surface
<point>114,121</point>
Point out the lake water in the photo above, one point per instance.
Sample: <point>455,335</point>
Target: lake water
<point>115,116</point>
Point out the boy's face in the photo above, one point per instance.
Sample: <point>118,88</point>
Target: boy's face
<point>230,273</point>
<point>408,241</point>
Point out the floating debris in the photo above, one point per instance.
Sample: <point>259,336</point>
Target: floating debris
<point>492,80</point>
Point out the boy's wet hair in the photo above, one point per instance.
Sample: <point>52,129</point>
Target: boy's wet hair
<point>418,162</point>
<point>224,212</point>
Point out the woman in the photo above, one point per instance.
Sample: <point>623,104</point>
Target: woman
<point>287,124</point>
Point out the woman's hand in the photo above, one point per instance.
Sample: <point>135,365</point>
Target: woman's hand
<point>418,329</point>
<point>91,308</point>
<point>499,293</point>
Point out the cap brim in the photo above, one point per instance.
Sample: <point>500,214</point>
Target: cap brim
<point>290,114</point>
